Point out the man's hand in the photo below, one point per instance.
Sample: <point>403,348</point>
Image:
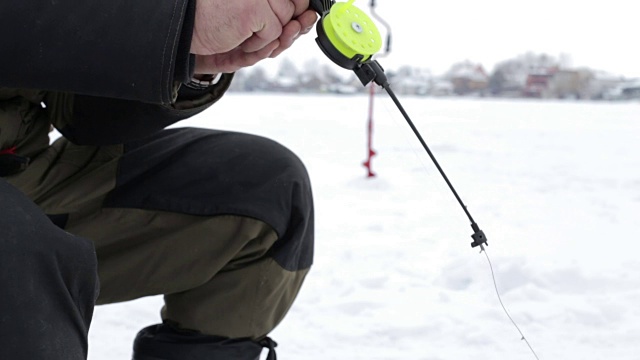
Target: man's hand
<point>232,34</point>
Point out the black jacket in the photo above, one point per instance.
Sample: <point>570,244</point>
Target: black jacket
<point>111,69</point>
<point>127,49</point>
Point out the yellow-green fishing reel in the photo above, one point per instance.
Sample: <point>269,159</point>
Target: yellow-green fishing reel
<point>346,34</point>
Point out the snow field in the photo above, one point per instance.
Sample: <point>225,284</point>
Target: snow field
<point>554,185</point>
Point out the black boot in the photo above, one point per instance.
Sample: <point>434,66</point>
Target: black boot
<point>166,342</point>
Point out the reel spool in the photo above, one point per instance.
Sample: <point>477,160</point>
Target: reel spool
<point>346,34</point>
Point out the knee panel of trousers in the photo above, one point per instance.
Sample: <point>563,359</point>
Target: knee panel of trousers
<point>207,173</point>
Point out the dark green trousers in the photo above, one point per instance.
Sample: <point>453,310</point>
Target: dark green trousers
<point>219,223</point>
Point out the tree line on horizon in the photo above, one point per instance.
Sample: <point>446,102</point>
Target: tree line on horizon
<point>529,75</point>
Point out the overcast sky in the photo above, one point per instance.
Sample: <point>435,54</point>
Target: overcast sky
<point>603,35</point>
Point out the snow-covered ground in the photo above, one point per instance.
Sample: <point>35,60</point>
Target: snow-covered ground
<point>554,185</point>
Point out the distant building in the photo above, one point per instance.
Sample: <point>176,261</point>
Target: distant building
<point>410,80</point>
<point>441,87</point>
<point>601,84</point>
<point>468,78</point>
<point>538,82</point>
<point>343,89</point>
<point>625,91</point>
<point>570,84</point>
<point>285,84</point>
<point>631,90</point>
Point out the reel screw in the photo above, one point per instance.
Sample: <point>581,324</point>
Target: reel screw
<point>356,27</point>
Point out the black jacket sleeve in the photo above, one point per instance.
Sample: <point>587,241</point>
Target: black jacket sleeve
<point>91,120</point>
<point>125,49</point>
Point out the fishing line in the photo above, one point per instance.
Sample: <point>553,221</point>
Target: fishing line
<point>484,250</point>
<point>495,285</point>
<point>349,38</point>
<point>479,238</point>
<point>393,96</point>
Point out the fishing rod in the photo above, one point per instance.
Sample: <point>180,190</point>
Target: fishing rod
<point>350,38</point>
